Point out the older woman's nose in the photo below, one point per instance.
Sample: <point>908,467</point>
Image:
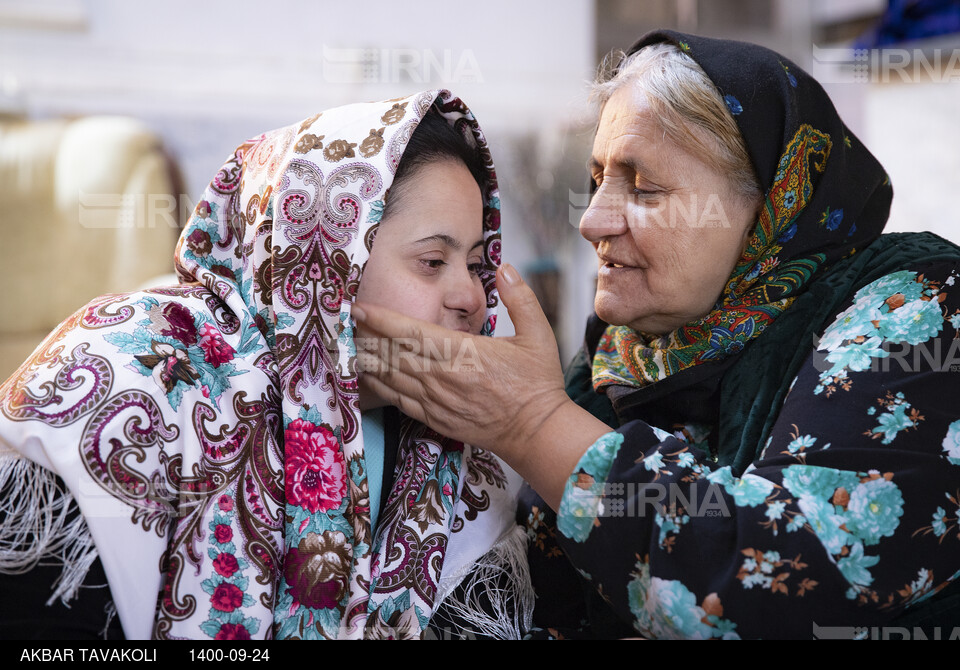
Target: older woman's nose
<point>604,217</point>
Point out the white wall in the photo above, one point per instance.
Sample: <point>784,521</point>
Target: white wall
<point>206,70</point>
<point>207,75</point>
<point>912,129</point>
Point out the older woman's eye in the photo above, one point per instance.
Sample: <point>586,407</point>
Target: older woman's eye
<point>645,193</point>
<point>432,265</point>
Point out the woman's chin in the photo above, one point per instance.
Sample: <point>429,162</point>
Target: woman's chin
<point>610,307</point>
<point>651,324</point>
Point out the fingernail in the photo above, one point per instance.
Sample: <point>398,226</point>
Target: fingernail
<point>511,274</point>
<point>358,313</point>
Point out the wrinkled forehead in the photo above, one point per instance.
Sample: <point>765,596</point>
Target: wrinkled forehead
<point>631,138</point>
<point>626,119</point>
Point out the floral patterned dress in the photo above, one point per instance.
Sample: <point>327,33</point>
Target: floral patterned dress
<point>849,518</point>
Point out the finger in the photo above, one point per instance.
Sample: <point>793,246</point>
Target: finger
<point>522,305</point>
<point>406,404</point>
<point>383,321</point>
<point>414,344</point>
<point>384,352</point>
<point>397,372</point>
<point>412,358</point>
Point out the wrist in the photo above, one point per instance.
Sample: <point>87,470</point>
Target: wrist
<point>547,455</point>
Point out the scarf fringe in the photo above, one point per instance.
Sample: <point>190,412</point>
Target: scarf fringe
<point>511,603</point>
<point>109,611</point>
<point>36,527</point>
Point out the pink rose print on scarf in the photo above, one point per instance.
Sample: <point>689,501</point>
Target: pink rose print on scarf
<point>226,597</point>
<point>215,349</point>
<point>223,533</point>
<point>316,474</point>
<point>495,247</point>
<point>232,631</point>
<point>203,209</point>
<point>173,320</point>
<point>226,564</point>
<point>226,584</point>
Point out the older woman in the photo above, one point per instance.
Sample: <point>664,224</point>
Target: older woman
<point>760,437</point>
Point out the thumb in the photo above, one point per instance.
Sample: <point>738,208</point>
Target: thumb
<point>522,305</point>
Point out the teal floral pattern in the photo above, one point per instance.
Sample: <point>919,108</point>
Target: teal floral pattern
<point>584,489</point>
<point>951,443</point>
<point>902,307</point>
<point>746,491</point>
<point>827,503</point>
<point>768,571</point>
<point>898,415</point>
<point>848,517</point>
<point>667,609</point>
<point>846,511</point>
<point>181,349</point>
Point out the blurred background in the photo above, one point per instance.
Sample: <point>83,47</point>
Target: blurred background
<point>114,116</point>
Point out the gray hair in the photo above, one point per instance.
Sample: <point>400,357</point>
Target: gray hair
<point>688,106</point>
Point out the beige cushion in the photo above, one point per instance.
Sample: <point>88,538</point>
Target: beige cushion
<point>87,210</point>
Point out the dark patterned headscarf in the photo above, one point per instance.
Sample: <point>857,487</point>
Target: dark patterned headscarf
<point>825,197</point>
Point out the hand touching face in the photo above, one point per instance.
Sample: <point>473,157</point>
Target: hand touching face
<point>428,253</point>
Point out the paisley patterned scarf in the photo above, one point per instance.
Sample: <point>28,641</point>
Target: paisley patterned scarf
<point>212,430</point>
<point>825,197</point>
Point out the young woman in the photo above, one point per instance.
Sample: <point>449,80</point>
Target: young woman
<point>216,436</point>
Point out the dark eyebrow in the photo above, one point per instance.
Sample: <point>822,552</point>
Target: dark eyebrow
<point>448,241</point>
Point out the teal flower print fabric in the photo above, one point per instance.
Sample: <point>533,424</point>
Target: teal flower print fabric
<point>848,518</point>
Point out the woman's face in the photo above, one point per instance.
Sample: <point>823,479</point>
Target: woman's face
<point>667,228</point>
<point>428,253</point>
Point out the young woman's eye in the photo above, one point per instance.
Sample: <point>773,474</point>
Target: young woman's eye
<point>432,265</point>
<point>475,268</point>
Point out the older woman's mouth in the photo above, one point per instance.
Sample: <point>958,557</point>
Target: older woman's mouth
<point>614,262</point>
<point>617,272</point>
<point>610,264</point>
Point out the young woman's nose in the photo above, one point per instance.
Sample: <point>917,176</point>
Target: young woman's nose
<point>464,293</point>
<point>605,217</point>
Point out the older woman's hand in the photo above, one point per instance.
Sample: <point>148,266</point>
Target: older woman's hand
<point>501,394</point>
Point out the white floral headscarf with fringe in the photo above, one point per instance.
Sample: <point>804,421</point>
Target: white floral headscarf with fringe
<point>211,429</point>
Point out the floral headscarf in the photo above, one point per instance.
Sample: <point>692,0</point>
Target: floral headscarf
<point>825,196</point>
<point>212,428</point>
